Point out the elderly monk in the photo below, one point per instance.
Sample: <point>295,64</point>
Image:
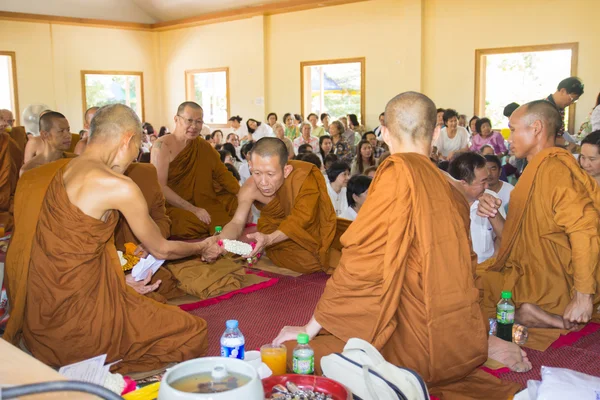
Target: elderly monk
<point>187,168</point>
<point>87,120</point>
<point>11,159</point>
<point>297,224</point>
<point>64,280</point>
<point>55,133</point>
<point>7,124</point>
<point>406,280</point>
<point>548,256</point>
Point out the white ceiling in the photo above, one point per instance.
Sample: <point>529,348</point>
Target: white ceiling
<point>144,11</point>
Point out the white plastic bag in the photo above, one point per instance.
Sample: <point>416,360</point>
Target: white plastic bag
<point>560,384</point>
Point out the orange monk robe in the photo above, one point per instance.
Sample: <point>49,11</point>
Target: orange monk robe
<point>74,140</point>
<point>191,176</point>
<point>144,175</point>
<point>11,160</point>
<point>406,283</point>
<point>229,200</point>
<point>67,291</point>
<point>302,210</point>
<point>20,136</point>
<point>551,240</point>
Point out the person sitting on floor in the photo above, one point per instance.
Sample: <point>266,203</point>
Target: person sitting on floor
<point>488,137</point>
<point>372,138</point>
<point>306,138</point>
<point>338,175</point>
<point>11,160</point>
<point>548,256</point>
<point>364,158</point>
<point>370,172</point>
<point>487,150</point>
<point>87,120</point>
<point>501,188</point>
<point>279,131</point>
<point>589,157</point>
<point>68,297</point>
<point>187,169</point>
<point>406,267</point>
<point>356,194</point>
<point>453,138</point>
<point>297,224</point>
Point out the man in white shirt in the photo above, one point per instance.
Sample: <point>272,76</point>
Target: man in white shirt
<point>377,130</point>
<point>498,188</point>
<point>470,177</point>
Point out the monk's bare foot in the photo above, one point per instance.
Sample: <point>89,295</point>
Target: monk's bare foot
<point>508,354</point>
<point>533,316</point>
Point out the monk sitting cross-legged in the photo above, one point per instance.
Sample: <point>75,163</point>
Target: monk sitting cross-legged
<point>297,224</point>
<point>55,134</point>
<point>64,280</point>
<point>187,165</point>
<point>11,159</point>
<point>406,279</point>
<point>549,254</point>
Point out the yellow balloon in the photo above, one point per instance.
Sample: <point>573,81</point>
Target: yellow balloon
<point>505,132</point>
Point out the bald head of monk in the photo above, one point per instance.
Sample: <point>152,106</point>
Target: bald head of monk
<point>410,120</point>
<point>189,120</point>
<point>533,127</point>
<point>269,166</point>
<point>115,135</point>
<point>6,119</point>
<point>87,118</point>
<point>55,131</point>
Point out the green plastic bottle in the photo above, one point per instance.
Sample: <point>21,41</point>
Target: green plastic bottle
<point>303,356</point>
<point>218,230</point>
<point>505,316</point>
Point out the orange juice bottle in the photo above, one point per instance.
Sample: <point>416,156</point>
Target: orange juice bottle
<point>275,357</point>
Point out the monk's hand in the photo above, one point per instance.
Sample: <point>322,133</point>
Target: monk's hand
<point>140,251</point>
<point>288,333</point>
<point>579,310</point>
<point>202,215</point>
<point>211,251</point>
<point>488,206</point>
<point>142,287</point>
<point>261,241</point>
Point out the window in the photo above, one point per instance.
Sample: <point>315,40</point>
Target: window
<point>336,87</point>
<point>521,74</point>
<point>100,88</point>
<point>8,83</point>
<point>210,89</point>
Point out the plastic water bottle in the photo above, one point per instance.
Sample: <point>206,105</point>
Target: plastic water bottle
<point>505,315</point>
<point>218,230</point>
<point>303,356</point>
<point>232,341</point>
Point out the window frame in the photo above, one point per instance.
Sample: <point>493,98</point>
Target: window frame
<point>363,92</point>
<point>480,71</point>
<point>104,72</point>
<point>15,86</point>
<point>189,89</point>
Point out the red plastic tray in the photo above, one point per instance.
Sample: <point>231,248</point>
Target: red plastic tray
<point>312,382</point>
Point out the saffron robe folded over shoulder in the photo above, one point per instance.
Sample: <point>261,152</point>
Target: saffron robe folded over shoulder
<point>11,160</point>
<point>551,240</point>
<point>75,138</point>
<point>406,282</point>
<point>20,137</point>
<point>302,210</point>
<point>67,291</point>
<point>144,175</point>
<point>191,176</point>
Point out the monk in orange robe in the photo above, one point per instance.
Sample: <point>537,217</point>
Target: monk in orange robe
<point>187,166</point>
<point>297,224</point>
<point>11,159</point>
<point>56,136</point>
<point>64,281</point>
<point>406,281</point>
<point>549,254</point>
<point>87,120</point>
<point>7,122</point>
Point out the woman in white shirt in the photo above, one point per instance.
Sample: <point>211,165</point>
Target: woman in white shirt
<point>257,130</point>
<point>453,138</point>
<point>235,123</point>
<point>337,180</point>
<point>356,194</point>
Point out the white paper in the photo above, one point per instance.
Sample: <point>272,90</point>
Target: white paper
<point>91,370</point>
<point>141,269</point>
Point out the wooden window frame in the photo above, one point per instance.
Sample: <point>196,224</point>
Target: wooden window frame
<point>189,89</point>
<point>130,73</point>
<point>480,70</point>
<point>15,94</point>
<point>363,92</point>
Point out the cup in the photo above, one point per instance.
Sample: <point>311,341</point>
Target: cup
<point>275,356</point>
<point>253,358</point>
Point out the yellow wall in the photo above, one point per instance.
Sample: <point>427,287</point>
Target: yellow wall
<point>426,45</point>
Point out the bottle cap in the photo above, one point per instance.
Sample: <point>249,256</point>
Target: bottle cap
<point>303,338</point>
<point>218,229</point>
<point>231,324</point>
<point>506,295</point>
<point>219,372</point>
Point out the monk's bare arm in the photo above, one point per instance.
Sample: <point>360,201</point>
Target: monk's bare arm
<point>246,197</point>
<point>129,200</point>
<point>159,157</point>
<point>32,148</point>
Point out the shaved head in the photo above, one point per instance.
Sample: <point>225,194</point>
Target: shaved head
<point>411,115</point>
<point>111,122</point>
<point>271,147</point>
<point>191,104</point>
<point>544,111</point>
<point>89,114</point>
<point>48,120</point>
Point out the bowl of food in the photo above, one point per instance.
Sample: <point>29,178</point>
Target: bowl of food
<point>309,387</point>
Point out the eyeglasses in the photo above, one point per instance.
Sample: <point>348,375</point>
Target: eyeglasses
<point>573,101</point>
<point>190,121</point>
